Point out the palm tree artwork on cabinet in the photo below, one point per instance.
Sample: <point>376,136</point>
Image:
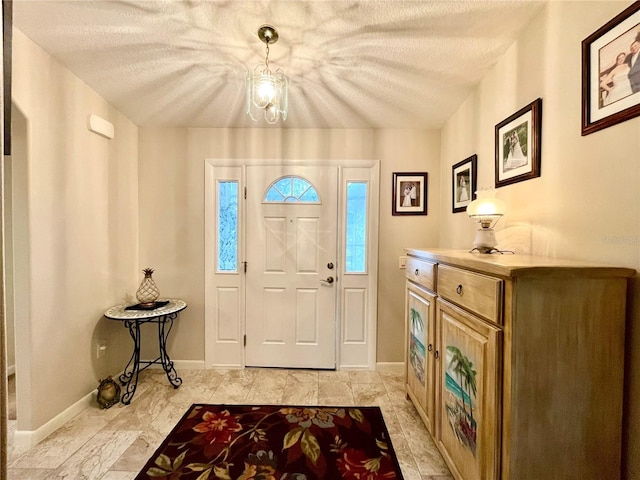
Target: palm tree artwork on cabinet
<point>416,348</point>
<point>461,396</point>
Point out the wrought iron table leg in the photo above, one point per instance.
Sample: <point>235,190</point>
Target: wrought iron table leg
<point>164,328</point>
<point>129,378</point>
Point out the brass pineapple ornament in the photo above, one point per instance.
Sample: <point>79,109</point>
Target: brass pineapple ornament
<point>148,291</point>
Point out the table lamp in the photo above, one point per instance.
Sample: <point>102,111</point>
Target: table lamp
<point>486,209</point>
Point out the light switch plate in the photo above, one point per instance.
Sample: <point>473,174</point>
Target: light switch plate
<point>402,262</point>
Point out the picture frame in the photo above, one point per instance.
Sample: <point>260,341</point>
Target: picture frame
<point>611,72</point>
<point>409,193</point>
<point>463,183</point>
<point>517,145</point>
<point>7,40</point>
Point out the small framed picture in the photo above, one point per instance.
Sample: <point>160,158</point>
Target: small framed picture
<point>517,145</point>
<point>463,183</point>
<point>409,193</point>
<point>611,72</point>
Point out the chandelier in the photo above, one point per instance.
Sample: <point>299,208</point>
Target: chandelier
<point>267,91</point>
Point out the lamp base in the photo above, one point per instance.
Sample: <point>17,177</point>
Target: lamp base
<point>484,250</point>
<point>490,250</point>
<point>485,240</point>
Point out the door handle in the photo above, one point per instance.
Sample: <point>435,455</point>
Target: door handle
<point>328,281</point>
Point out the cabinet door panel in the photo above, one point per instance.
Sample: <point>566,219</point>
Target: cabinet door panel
<point>468,400</point>
<point>420,310</point>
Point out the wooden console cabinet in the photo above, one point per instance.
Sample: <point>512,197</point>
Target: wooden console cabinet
<point>515,363</point>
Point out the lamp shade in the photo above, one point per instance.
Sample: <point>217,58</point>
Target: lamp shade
<point>486,206</point>
<point>267,94</point>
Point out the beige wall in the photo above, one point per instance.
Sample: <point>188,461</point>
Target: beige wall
<point>84,241</point>
<point>586,204</point>
<point>172,209</point>
<point>80,238</point>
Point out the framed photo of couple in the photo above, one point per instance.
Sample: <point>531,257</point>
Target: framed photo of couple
<point>464,179</point>
<point>409,193</point>
<point>611,72</point>
<point>517,145</point>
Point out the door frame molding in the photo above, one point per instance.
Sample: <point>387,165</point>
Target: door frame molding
<point>227,350</point>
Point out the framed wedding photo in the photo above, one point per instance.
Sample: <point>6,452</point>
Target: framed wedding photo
<point>517,145</point>
<point>409,193</point>
<point>463,183</point>
<point>611,72</point>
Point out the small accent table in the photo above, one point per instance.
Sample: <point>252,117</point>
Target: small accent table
<point>164,316</point>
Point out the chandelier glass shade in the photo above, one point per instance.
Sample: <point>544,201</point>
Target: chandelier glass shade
<point>267,91</point>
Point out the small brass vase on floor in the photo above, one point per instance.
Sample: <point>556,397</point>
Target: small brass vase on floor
<point>108,392</point>
<point>148,291</point>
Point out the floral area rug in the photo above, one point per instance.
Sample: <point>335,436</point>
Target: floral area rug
<point>251,442</point>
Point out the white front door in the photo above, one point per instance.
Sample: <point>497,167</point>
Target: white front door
<point>291,266</point>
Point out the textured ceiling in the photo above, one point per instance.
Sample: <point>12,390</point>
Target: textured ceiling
<point>351,64</point>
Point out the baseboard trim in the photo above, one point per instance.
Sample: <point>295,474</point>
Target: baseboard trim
<point>390,367</point>
<point>226,366</point>
<point>26,439</point>
<point>187,365</point>
<point>363,368</point>
<point>178,365</point>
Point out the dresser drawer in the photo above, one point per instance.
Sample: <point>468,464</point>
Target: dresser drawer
<point>421,272</point>
<point>477,293</point>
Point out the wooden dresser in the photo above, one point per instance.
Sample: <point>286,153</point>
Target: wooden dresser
<point>515,363</point>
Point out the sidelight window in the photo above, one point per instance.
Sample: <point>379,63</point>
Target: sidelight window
<point>356,228</point>
<point>227,226</point>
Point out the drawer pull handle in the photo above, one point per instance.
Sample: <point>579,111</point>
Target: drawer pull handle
<point>430,347</point>
<point>417,272</point>
<point>436,354</point>
<point>459,290</point>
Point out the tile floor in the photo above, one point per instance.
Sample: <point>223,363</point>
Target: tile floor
<point>114,444</point>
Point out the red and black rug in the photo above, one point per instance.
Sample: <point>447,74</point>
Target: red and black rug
<point>251,442</point>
